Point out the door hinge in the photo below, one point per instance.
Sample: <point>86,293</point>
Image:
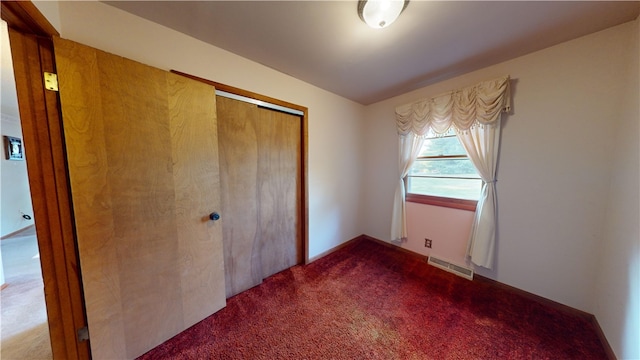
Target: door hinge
<point>83,334</point>
<point>50,81</point>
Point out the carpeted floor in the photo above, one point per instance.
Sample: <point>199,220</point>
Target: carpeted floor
<point>23,317</point>
<point>367,301</point>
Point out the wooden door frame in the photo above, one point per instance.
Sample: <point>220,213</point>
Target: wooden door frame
<point>304,133</point>
<point>31,36</point>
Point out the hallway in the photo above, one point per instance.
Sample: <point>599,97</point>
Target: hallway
<point>25,332</point>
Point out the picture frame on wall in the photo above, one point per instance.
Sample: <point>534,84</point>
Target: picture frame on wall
<point>13,148</point>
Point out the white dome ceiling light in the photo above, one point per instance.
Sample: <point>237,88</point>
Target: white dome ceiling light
<point>379,14</point>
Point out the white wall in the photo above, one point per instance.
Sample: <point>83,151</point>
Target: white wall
<point>15,197</point>
<point>15,194</point>
<point>554,170</point>
<point>335,151</point>
<point>14,185</point>
<point>617,290</point>
<point>448,229</point>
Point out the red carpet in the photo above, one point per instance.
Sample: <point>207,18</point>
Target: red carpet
<point>367,301</point>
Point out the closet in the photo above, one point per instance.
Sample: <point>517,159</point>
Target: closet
<point>261,183</point>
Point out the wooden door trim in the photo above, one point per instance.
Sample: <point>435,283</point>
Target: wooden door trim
<point>24,17</point>
<point>32,50</point>
<point>304,133</point>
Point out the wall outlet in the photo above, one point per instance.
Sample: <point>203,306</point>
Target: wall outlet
<point>427,243</point>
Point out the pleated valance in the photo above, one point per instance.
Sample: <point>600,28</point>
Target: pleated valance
<point>480,104</point>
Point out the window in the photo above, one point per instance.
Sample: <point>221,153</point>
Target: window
<point>443,175</point>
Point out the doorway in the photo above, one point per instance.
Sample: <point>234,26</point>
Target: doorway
<point>23,308</point>
<point>25,331</point>
<point>30,36</point>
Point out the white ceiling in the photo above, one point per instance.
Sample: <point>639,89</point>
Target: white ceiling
<point>326,44</point>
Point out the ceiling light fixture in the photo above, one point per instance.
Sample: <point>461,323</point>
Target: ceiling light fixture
<point>379,14</point>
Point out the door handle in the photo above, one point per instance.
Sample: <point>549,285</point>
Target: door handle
<point>214,216</point>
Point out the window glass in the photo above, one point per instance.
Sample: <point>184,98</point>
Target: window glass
<point>443,169</point>
<point>447,145</point>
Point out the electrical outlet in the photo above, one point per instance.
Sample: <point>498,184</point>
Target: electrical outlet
<point>427,243</point>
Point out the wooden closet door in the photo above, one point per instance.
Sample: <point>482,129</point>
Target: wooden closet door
<point>238,147</point>
<point>143,165</point>
<point>260,174</point>
<point>279,190</point>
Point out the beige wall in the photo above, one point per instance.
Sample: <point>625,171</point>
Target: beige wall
<point>617,290</point>
<point>554,169</point>
<point>335,154</point>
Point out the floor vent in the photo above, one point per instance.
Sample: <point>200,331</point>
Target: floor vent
<point>452,268</point>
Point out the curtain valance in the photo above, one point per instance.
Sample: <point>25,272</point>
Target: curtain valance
<point>478,104</point>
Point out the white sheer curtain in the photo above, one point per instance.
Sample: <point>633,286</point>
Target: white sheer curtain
<point>482,143</point>
<point>409,148</point>
<point>475,113</point>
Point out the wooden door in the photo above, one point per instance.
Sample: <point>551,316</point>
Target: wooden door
<point>143,166</point>
<point>260,170</point>
<point>30,37</point>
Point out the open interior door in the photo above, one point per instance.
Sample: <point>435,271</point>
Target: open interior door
<point>142,150</point>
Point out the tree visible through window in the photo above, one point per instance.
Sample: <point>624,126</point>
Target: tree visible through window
<point>443,169</point>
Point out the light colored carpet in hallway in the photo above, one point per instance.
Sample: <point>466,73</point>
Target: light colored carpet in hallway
<point>25,332</point>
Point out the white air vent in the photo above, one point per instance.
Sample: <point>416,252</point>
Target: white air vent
<point>452,268</point>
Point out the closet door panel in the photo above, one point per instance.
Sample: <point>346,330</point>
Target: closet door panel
<point>279,193</point>
<point>196,177</point>
<point>238,178</point>
<point>143,166</point>
<point>260,162</point>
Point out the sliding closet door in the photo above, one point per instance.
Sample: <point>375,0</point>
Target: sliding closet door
<point>260,174</point>
<point>142,152</point>
<point>238,149</point>
<point>279,190</point>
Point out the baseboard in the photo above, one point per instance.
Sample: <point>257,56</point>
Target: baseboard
<point>603,339</point>
<point>336,248</point>
<point>497,284</point>
<point>361,238</point>
<point>17,232</point>
<point>395,247</point>
<point>533,297</point>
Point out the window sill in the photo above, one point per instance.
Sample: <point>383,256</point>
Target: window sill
<point>469,205</point>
